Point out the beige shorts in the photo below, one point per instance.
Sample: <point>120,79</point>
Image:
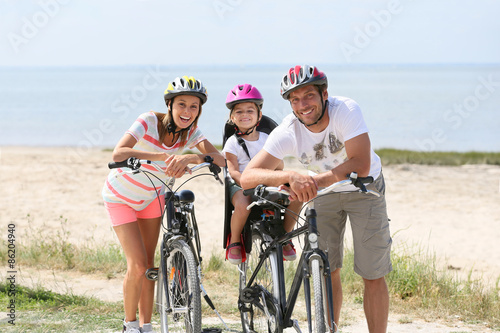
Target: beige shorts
<point>370,229</point>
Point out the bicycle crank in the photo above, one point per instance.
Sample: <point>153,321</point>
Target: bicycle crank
<point>250,294</point>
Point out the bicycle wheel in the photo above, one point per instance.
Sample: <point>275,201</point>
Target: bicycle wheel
<point>261,298</point>
<point>180,295</point>
<point>318,320</point>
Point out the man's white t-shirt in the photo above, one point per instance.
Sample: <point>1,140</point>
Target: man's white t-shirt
<point>321,152</point>
<point>232,146</point>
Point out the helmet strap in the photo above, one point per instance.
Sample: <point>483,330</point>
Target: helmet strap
<point>250,130</point>
<point>171,127</point>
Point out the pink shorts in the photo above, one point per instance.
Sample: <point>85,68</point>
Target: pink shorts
<point>120,213</point>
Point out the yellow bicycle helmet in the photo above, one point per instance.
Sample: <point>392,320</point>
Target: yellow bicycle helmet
<point>185,86</point>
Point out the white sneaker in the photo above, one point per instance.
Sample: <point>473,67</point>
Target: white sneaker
<point>131,327</point>
<point>147,328</point>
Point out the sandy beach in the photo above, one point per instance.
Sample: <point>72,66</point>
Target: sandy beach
<point>452,212</point>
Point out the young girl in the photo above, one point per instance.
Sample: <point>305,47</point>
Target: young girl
<point>131,199</point>
<point>245,103</point>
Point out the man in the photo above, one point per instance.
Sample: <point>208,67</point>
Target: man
<point>330,138</point>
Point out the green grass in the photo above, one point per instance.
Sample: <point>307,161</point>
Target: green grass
<point>395,156</point>
<point>45,249</point>
<point>418,286</point>
<point>41,310</point>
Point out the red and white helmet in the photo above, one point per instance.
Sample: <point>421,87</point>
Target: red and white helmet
<point>300,76</point>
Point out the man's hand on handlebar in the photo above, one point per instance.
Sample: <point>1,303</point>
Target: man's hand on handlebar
<point>302,187</point>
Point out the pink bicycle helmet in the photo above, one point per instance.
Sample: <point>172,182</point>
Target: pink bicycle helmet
<point>300,76</point>
<point>244,93</point>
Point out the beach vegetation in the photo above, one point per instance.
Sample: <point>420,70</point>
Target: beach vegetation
<point>397,156</point>
<point>420,286</point>
<point>446,158</point>
<point>40,310</point>
<point>45,248</point>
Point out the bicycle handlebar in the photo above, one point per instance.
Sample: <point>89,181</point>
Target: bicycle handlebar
<point>135,164</point>
<point>262,191</point>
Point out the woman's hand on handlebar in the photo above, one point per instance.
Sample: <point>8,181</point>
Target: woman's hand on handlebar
<point>177,165</point>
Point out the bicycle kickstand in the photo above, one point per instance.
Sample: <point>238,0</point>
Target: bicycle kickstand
<point>209,302</point>
<point>296,326</point>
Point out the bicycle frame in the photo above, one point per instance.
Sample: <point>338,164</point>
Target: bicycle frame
<point>181,222</point>
<point>313,263</point>
<point>180,251</point>
<point>287,305</point>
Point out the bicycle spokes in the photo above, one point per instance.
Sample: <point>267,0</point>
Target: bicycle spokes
<point>183,309</point>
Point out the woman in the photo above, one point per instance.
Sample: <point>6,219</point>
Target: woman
<point>131,199</point>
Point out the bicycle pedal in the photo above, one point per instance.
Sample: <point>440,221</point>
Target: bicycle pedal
<point>152,274</point>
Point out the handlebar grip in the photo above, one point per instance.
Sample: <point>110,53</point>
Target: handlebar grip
<point>116,165</point>
<point>131,162</point>
<point>361,181</point>
<point>366,180</point>
<point>248,192</point>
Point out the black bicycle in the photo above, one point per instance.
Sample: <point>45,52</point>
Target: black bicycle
<point>263,302</point>
<point>179,275</point>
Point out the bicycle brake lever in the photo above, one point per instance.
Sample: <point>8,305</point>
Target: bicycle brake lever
<point>357,181</point>
<point>218,178</point>
<point>251,205</point>
<point>214,168</point>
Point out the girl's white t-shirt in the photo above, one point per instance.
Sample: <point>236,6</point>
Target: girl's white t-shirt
<point>232,146</point>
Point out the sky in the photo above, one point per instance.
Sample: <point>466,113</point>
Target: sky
<point>241,32</point>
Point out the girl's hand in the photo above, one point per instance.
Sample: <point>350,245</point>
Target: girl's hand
<point>292,196</point>
<point>177,165</point>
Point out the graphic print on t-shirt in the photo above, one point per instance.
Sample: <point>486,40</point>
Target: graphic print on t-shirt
<point>305,160</point>
<point>319,149</point>
<point>335,144</point>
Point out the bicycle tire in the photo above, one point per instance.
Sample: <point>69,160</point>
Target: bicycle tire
<point>318,321</point>
<point>253,314</point>
<point>181,310</point>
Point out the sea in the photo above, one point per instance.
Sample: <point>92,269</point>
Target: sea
<point>422,107</point>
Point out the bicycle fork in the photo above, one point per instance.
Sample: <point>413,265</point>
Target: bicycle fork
<point>324,264</point>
